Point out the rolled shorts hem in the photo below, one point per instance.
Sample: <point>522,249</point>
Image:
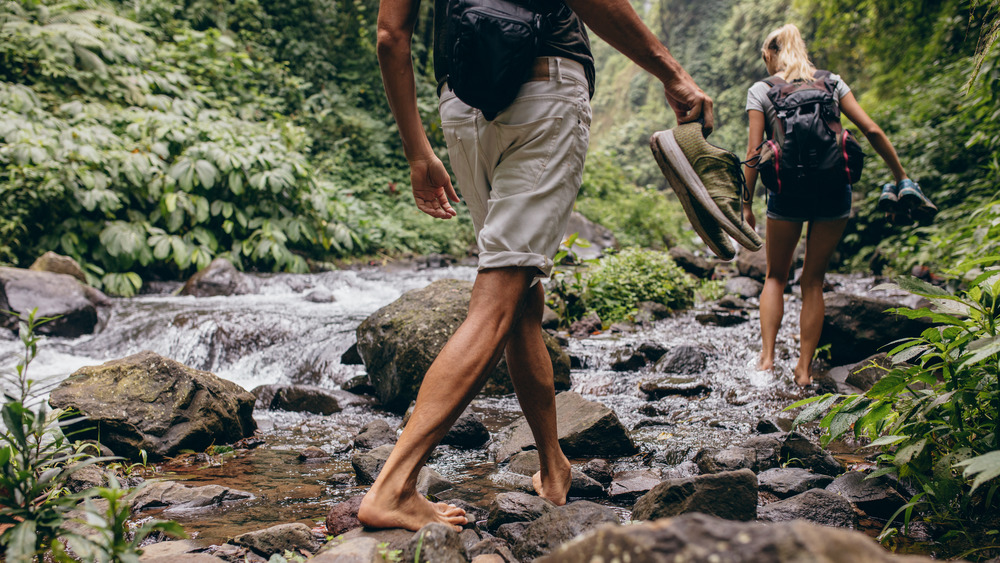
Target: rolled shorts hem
<point>512,259</point>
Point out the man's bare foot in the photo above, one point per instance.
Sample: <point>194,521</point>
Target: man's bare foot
<point>553,487</point>
<point>410,511</point>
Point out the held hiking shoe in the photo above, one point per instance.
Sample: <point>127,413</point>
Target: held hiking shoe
<point>914,200</point>
<point>888,199</point>
<point>708,176</point>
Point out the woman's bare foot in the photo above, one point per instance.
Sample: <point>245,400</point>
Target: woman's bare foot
<point>410,511</point>
<point>802,379</point>
<point>554,486</point>
<point>765,364</point>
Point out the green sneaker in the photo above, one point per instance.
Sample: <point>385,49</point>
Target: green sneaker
<point>710,175</point>
<point>912,198</point>
<point>701,219</point>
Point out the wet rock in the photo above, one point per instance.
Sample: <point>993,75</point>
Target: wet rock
<point>627,360</point>
<point>710,460</point>
<point>468,432</point>
<point>374,434</point>
<point>58,264</point>
<point>585,428</point>
<point>857,326</point>
<point>54,295</point>
<point>576,362</point>
<point>550,319</point>
<point>511,531</point>
<point>367,466</point>
<point>355,550</point>
<point>628,486</point>
<point>358,385</point>
<point>178,550</point>
<point>516,507</point>
<point>798,449</point>
<point>175,496</point>
<point>673,385</point>
<point>703,538</point>
<point>320,295</point>
<point>351,357</point>
<point>389,540</point>
<point>681,471</point>
<point>743,286</point>
<point>732,302</point>
<point>436,543</point>
<point>182,558</point>
<point>586,326</point>
<point>774,424</point>
<point>869,370</point>
<point>492,546</point>
<point>343,516</point>
<point>297,398</point>
<point>649,311</point>
<point>598,470</point>
<point>684,359</point>
<point>312,453</point>
<point>278,539</point>
<point>219,278</point>
<point>234,554</point>
<point>752,264</point>
<point>560,525</point>
<point>720,319</point>
<point>399,341</point>
<point>695,265</point>
<point>469,536</point>
<point>767,448</point>
<point>340,479</point>
<point>599,236</point>
<point>148,402</point>
<point>876,497</point>
<point>731,495</point>
<point>784,482</point>
<point>815,505</point>
<point>582,485</point>
<point>652,351</point>
<point>87,477</point>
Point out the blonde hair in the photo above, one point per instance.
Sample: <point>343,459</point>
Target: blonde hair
<point>787,46</point>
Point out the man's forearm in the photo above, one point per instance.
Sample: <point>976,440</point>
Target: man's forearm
<point>398,79</point>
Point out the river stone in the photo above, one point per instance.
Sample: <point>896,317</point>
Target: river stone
<point>865,373</point>
<point>174,550</point>
<point>581,485</point>
<point>356,550</point>
<point>351,356</point>
<point>278,539</point>
<point>182,558</point>
<point>731,495</point>
<point>297,398</point>
<point>492,550</point>
<point>58,264</point>
<point>815,505</point>
<point>438,543</point>
<point>343,516</point>
<point>626,360</point>
<point>598,470</point>
<point>877,497</point>
<point>732,302</point>
<point>744,286</point>
<point>720,319</point>
<point>784,482</point>
<point>54,295</point>
<point>468,432</point>
<point>390,539</point>
<point>683,359</point>
<point>367,466</point>
<point>798,449</point>
<point>599,236</point>
<point>652,351</point>
<point>148,402</point>
<point>374,434</point>
<point>774,424</point>
<point>516,507</point>
<point>683,386</point>
<point>857,326</point>
<point>586,326</point>
<point>399,341</point>
<point>585,428</point>
<point>320,295</point>
<point>559,525</point>
<point>767,448</point>
<point>695,265</point>
<point>628,486</point>
<point>752,264</point>
<point>711,460</point>
<point>175,496</point>
<point>703,538</point>
<point>220,277</point>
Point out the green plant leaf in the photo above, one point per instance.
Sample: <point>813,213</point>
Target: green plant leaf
<point>983,467</point>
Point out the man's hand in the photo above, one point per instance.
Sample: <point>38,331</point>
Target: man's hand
<point>432,188</point>
<point>749,217</point>
<point>689,102</point>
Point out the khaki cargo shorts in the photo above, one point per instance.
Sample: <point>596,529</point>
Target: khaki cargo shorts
<point>520,173</point>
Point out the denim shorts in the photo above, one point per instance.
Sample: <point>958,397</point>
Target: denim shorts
<point>520,173</point>
<point>820,204</point>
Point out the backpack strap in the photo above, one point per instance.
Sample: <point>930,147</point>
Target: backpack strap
<point>774,80</point>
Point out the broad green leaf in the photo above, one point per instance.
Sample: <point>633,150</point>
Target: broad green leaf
<point>886,441</point>
<point>983,467</point>
<point>906,453</point>
<point>815,410</point>
<point>21,547</point>
<point>207,173</point>
<point>981,349</point>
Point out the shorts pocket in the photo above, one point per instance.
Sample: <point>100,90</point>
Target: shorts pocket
<point>526,150</point>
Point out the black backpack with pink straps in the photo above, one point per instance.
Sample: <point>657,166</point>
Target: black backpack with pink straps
<point>817,150</point>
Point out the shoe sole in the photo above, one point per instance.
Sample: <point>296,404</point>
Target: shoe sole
<point>662,144</point>
<point>887,205</point>
<point>914,204</point>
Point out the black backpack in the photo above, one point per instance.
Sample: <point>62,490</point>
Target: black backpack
<point>817,150</point>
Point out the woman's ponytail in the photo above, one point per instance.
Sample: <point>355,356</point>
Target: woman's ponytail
<point>786,44</point>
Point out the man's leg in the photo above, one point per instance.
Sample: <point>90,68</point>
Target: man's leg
<point>456,375</point>
<point>531,371</point>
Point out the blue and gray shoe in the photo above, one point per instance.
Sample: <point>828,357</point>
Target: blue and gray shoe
<point>912,199</point>
<point>888,200</point>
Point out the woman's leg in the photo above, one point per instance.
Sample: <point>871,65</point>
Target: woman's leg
<point>781,239</point>
<point>821,241</point>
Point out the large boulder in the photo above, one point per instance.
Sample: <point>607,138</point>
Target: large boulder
<point>54,295</point>
<point>858,326</point>
<point>877,497</point>
<point>399,342</point>
<point>586,429</point>
<point>148,402</point>
<point>58,264</point>
<point>731,495</point>
<point>702,538</point>
<point>599,237</point>
<point>219,278</point>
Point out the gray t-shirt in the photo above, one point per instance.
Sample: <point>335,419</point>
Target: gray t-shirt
<point>757,99</point>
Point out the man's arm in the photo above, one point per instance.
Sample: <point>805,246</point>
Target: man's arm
<point>430,180</point>
<point>616,22</point>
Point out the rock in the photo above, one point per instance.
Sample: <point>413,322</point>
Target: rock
<point>857,326</point>
<point>182,558</point>
<point>351,357</point>
<point>54,295</point>
<point>774,424</point>
<point>175,496</point>
<point>673,385</point>
<point>313,453</point>
<point>869,370</point>
<point>704,539</point>
<point>628,486</point>
<point>516,507</point>
<point>877,497</point>
<point>468,432</point>
<point>752,264</point>
<point>582,485</point>
<point>767,448</point>
<point>58,264</point>
<point>358,385</point>
<point>559,525</point>
<point>732,302</point>
<point>320,295</point>
<point>627,360</point>
<point>399,341</point>
<point>586,429</point>
<point>598,470</point>
<point>343,516</point>
<point>784,482</point>
<point>550,319</point>
<point>695,265</point>
<point>652,351</point>
<point>684,359</point>
<point>599,237</point>
<point>297,398</point>
<point>719,319</point>
<point>796,448</point>
<point>492,547</point>
<point>87,477</point>
<point>219,278</point>
<point>148,402</point>
<point>586,326</point>
<point>744,286</point>
<point>367,466</point>
<point>649,311</point>
<point>437,543</point>
<point>389,540</point>
<point>730,459</point>
<point>176,550</point>
<point>278,539</point>
<point>731,495</point>
<point>374,434</point>
<point>815,505</point>
<point>356,550</point>
<point>340,479</point>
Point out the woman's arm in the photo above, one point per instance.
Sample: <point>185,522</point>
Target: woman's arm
<point>878,139</point>
<point>756,137</point>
